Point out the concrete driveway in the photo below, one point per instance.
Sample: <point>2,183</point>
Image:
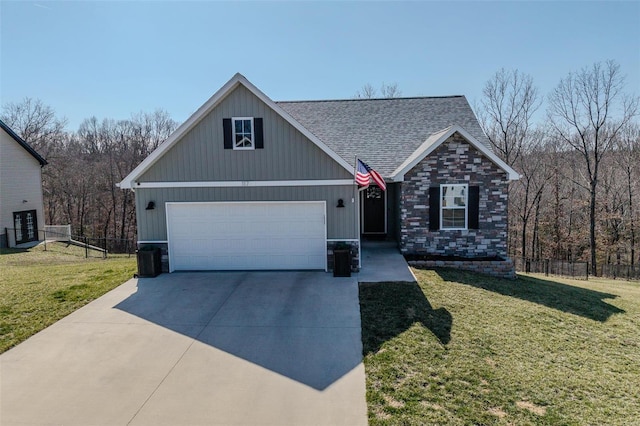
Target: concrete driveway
<point>229,348</point>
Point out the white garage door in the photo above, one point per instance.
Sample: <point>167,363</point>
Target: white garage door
<point>246,235</point>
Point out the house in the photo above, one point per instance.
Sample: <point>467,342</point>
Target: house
<point>21,202</point>
<point>249,183</point>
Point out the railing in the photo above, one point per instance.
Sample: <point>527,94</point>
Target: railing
<point>57,232</point>
<point>578,270</point>
<point>101,247</point>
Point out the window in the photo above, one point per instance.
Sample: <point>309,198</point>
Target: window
<point>243,137</point>
<point>453,205</point>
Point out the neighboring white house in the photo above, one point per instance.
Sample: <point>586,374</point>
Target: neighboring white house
<point>21,202</point>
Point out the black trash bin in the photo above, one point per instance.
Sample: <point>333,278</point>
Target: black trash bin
<point>149,262</point>
<point>342,263</point>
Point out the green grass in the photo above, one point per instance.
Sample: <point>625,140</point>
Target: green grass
<point>37,287</point>
<point>461,349</point>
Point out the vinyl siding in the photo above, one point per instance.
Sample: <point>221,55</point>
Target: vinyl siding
<point>20,179</point>
<point>200,154</point>
<point>341,222</point>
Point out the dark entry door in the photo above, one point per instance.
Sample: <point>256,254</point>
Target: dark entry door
<point>373,205</point>
<point>26,226</point>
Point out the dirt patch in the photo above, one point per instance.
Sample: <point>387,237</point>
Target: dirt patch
<point>432,406</point>
<point>535,409</point>
<point>393,402</point>
<point>498,412</point>
<point>381,414</point>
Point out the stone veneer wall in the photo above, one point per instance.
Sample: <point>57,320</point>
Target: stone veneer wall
<point>355,251</point>
<point>496,268</point>
<point>455,161</point>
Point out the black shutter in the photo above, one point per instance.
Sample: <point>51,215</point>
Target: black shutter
<point>434,208</point>
<point>228,135</point>
<point>257,132</point>
<point>474,207</point>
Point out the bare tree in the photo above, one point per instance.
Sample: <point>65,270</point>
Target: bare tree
<point>386,90</point>
<point>587,111</point>
<point>390,90</point>
<point>509,102</point>
<point>366,92</point>
<point>628,149</point>
<point>526,194</point>
<point>36,123</point>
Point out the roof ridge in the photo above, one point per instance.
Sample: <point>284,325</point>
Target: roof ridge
<point>371,99</point>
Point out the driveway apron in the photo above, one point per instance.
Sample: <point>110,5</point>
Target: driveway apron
<point>228,348</point>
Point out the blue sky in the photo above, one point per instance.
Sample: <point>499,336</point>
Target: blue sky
<point>111,59</point>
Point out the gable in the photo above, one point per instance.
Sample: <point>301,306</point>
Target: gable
<point>300,166</point>
<point>200,154</point>
<point>433,142</point>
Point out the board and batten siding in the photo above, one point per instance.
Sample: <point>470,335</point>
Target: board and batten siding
<point>341,222</point>
<point>200,154</point>
<point>20,183</point>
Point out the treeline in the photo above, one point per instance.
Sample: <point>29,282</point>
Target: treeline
<point>79,183</point>
<point>578,196</point>
<point>577,199</point>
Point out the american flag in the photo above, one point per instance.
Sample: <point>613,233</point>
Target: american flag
<point>364,174</point>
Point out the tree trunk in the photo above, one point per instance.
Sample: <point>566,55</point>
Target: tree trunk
<point>592,228</point>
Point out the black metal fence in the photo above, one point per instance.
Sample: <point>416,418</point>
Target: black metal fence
<point>577,270</point>
<point>91,246</point>
<point>627,272</point>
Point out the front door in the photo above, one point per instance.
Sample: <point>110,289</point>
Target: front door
<point>25,225</point>
<point>374,215</point>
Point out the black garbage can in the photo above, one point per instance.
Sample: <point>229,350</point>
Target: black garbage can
<point>149,262</point>
<point>342,263</point>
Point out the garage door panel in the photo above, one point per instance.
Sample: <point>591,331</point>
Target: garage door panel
<point>246,235</point>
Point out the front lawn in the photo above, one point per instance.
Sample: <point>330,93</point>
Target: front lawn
<point>461,348</point>
<point>37,287</point>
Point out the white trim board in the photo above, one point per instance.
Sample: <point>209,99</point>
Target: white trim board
<point>245,183</point>
<point>238,79</point>
<point>436,139</point>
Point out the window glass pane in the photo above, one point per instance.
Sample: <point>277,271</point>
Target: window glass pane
<point>453,218</point>
<point>247,126</point>
<point>238,125</point>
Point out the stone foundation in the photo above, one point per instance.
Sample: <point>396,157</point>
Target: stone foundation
<point>355,251</point>
<point>495,268</point>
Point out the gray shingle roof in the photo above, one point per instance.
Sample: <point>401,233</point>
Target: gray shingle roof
<point>382,132</point>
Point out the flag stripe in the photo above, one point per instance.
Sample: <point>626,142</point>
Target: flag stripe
<point>364,174</point>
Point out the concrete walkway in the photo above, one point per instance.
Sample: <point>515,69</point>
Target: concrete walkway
<point>382,261</point>
<point>263,348</point>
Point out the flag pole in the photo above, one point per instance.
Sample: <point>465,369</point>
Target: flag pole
<point>356,200</point>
